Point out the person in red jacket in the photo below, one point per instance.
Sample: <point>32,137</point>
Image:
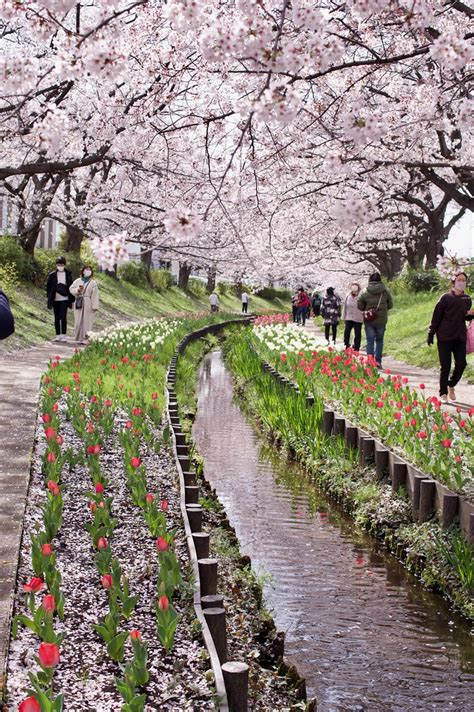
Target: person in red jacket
<point>449,324</point>
<point>302,305</point>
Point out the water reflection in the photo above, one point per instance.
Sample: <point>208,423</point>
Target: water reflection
<point>363,632</point>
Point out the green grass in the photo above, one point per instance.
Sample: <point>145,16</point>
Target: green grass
<point>405,338</point>
<point>119,302</point>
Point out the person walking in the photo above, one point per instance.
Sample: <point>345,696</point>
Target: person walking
<point>375,302</point>
<point>331,313</point>
<point>214,302</point>
<point>294,305</point>
<point>316,304</point>
<point>449,324</point>
<point>353,317</point>
<point>7,321</point>
<point>86,293</point>
<point>245,302</point>
<point>59,297</point>
<point>302,305</point>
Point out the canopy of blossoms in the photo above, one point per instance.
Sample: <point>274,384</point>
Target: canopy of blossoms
<point>268,137</point>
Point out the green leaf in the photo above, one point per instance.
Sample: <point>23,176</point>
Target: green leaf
<point>115,647</point>
<point>103,631</point>
<point>128,606</point>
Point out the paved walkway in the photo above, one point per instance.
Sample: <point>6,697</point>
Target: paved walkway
<point>415,375</point>
<point>20,375</point>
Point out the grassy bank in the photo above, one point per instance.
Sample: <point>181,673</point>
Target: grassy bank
<point>120,301</point>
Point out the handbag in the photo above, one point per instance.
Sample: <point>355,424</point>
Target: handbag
<point>79,302</point>
<point>372,314</point>
<point>470,338</point>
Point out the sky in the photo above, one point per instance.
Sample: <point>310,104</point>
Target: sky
<point>461,240</point>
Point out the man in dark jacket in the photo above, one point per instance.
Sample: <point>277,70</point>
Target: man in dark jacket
<point>7,322</point>
<point>375,296</point>
<point>59,297</point>
<point>449,324</point>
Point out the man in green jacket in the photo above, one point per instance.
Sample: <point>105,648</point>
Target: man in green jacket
<point>375,297</point>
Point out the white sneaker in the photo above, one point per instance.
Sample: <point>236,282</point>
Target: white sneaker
<point>443,399</point>
<point>57,338</point>
<point>451,393</point>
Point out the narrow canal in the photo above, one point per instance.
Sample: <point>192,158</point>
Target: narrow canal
<point>365,634</point>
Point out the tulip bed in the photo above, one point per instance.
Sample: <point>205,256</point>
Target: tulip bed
<point>442,559</point>
<point>103,611</point>
<point>437,442</point>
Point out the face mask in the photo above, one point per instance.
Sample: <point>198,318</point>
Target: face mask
<point>87,273</point>
<point>460,284</point>
<point>60,268</point>
<point>355,292</point>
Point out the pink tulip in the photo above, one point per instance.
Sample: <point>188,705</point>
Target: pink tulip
<point>48,603</point>
<point>135,462</point>
<point>48,654</point>
<point>149,498</point>
<point>102,543</point>
<point>106,581</point>
<point>163,603</point>
<point>46,549</point>
<point>34,586</point>
<point>161,544</point>
<point>164,505</point>
<point>30,704</point>
<point>99,488</point>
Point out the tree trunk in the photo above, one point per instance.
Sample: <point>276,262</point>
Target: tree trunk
<point>73,239</point>
<point>211,280</point>
<point>184,274</point>
<point>29,237</point>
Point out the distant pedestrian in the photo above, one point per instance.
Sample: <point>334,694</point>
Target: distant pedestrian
<point>316,304</point>
<point>302,305</point>
<point>353,317</point>
<point>331,313</point>
<point>214,302</point>
<point>449,324</point>
<point>375,302</point>
<point>294,305</point>
<point>245,302</point>
<point>59,297</point>
<point>7,321</point>
<point>86,292</point>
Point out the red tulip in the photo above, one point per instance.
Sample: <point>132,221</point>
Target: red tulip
<point>422,386</point>
<point>154,396</point>
<point>161,544</point>
<point>59,439</point>
<point>51,485</point>
<point>135,634</point>
<point>136,411</point>
<point>99,488</point>
<point>124,359</point>
<point>149,498</point>
<point>51,457</point>
<point>92,507</point>
<point>422,434</point>
<point>47,549</point>
<point>48,654</point>
<point>30,704</point>
<point>55,408</point>
<point>36,584</point>
<point>102,543</point>
<point>106,581</point>
<point>135,462</point>
<point>56,491</point>
<point>446,443</point>
<point>67,389</point>
<point>164,505</point>
<point>46,418</point>
<point>397,415</point>
<point>458,458</point>
<point>48,603</point>
<point>50,433</point>
<point>108,402</point>
<point>129,424</point>
<point>163,603</point>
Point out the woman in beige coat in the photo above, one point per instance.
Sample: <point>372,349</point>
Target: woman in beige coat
<point>86,288</point>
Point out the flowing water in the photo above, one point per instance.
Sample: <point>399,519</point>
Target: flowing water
<point>362,631</point>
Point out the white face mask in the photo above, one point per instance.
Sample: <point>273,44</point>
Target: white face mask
<point>87,273</point>
<point>460,284</point>
<point>60,268</point>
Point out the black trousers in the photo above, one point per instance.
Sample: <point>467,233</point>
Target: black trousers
<point>447,349</point>
<point>60,316</point>
<point>327,328</point>
<point>357,326</point>
<point>245,306</point>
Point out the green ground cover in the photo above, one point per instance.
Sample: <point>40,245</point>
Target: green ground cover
<point>120,302</point>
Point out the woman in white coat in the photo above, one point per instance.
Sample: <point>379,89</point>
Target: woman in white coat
<point>86,292</point>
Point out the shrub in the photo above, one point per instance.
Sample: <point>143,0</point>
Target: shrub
<point>9,280</point>
<point>12,253</point>
<point>273,293</point>
<point>223,288</point>
<point>428,280</point>
<point>197,286</point>
<point>134,273</point>
<point>161,279</point>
